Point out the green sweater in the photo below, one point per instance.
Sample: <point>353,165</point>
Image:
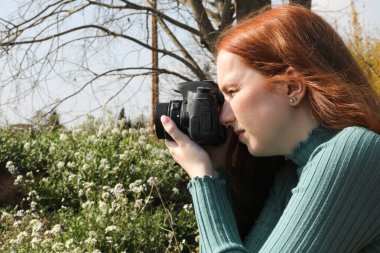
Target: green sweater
<point>329,203</point>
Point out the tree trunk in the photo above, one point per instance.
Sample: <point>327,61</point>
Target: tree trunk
<point>305,3</point>
<point>245,7</point>
<point>155,90</point>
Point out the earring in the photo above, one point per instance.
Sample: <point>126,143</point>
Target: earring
<point>292,101</point>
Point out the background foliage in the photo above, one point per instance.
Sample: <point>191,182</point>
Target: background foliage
<point>102,190</point>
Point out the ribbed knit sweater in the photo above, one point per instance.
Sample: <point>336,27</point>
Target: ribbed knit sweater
<point>329,203</point>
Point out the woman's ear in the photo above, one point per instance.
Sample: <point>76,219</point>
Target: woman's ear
<point>296,89</point>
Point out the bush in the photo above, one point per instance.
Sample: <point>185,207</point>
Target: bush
<point>106,191</point>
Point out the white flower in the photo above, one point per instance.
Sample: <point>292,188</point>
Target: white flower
<point>60,165</point>
<point>105,195</point>
<point>9,164</point>
<point>152,181</point>
<point>21,236</point>
<point>104,161</point>
<point>57,246</point>
<point>77,132</point>
<point>35,241</point>
<point>88,185</point>
<point>17,224</point>
<point>20,213</point>
<point>143,131</point>
<point>34,194</point>
<point>69,243</point>
<point>92,139</point>
<point>5,216</point>
<point>27,146</point>
<point>33,205</point>
<point>56,229</point>
<point>148,199</point>
<point>71,177</point>
<point>90,241</point>
<point>63,137</point>
<point>137,187</point>
<point>71,164</point>
<point>124,156</point>
<point>92,234</point>
<point>18,179</point>
<point>52,149</point>
<point>103,207</point>
<point>111,228</point>
<point>46,242</point>
<point>88,203</point>
<point>187,207</point>
<point>138,203</point>
<point>96,251</point>
<point>118,190</point>
<point>114,207</point>
<point>175,190</point>
<point>11,167</point>
<point>36,225</point>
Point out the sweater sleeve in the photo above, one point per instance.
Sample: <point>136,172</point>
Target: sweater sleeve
<point>216,222</point>
<point>335,206</point>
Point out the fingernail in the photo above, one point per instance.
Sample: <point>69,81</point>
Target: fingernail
<point>164,119</point>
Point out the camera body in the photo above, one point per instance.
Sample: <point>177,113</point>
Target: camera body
<point>196,115</point>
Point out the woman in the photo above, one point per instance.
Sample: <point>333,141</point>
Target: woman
<point>292,89</point>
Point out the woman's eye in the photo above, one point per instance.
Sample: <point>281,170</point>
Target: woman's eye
<point>231,93</point>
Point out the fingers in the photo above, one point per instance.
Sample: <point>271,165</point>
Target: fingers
<point>171,144</point>
<point>171,128</point>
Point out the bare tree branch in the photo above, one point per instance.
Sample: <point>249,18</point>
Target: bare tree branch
<point>86,43</point>
<point>109,32</point>
<point>208,33</point>
<point>129,5</point>
<point>181,48</point>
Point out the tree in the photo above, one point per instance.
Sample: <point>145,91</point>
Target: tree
<point>63,39</point>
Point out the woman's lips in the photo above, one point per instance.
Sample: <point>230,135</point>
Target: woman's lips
<point>240,134</point>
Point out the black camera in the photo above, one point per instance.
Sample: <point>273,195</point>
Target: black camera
<point>196,115</point>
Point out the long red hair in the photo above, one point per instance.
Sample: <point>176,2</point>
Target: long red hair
<point>292,36</point>
<point>338,92</point>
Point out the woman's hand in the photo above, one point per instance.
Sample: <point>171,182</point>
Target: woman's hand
<point>189,155</point>
<point>218,154</point>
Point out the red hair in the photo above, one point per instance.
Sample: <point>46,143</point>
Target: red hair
<point>339,94</point>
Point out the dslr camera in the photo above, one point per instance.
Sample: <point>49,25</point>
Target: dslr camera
<point>196,115</point>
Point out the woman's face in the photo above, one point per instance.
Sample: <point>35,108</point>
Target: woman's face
<point>259,116</point>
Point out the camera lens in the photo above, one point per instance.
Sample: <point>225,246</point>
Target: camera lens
<point>161,109</point>
<point>173,111</point>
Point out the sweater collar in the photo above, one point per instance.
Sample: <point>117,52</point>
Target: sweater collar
<point>302,152</point>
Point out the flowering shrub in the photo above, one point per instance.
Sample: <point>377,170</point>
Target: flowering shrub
<point>107,190</point>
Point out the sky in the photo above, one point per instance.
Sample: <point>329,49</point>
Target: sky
<point>336,12</point>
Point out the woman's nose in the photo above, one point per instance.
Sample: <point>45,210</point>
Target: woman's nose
<point>226,116</point>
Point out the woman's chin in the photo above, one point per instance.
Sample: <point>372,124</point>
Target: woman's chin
<point>256,151</point>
